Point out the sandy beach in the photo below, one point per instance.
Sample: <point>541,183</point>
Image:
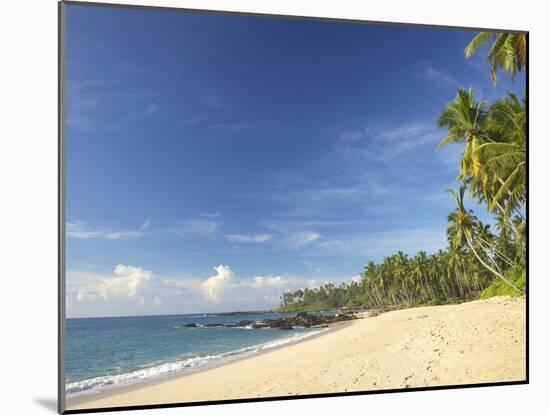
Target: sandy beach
<point>476,342</point>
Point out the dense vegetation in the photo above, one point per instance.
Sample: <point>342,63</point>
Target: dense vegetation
<point>479,261</point>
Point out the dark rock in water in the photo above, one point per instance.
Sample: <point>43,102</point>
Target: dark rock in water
<point>301,319</point>
<point>281,323</point>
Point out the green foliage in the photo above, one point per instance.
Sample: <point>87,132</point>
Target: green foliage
<point>509,51</point>
<point>493,164</point>
<point>478,263</point>
<point>435,302</point>
<point>518,277</point>
<point>326,297</point>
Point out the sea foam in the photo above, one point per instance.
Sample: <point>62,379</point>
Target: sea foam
<point>189,364</point>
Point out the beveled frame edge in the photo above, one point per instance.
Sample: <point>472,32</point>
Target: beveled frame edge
<point>61,242</point>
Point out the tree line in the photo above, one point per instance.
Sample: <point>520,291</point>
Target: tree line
<point>479,261</point>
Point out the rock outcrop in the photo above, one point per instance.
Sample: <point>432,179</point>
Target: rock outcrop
<point>301,319</point>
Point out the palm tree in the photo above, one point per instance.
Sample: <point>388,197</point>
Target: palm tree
<point>388,279</point>
<point>420,265</point>
<point>461,231</point>
<point>506,152</point>
<point>371,279</point>
<point>509,51</point>
<point>464,117</point>
<point>400,263</point>
<point>493,161</point>
<point>485,240</point>
<point>521,241</point>
<point>456,266</point>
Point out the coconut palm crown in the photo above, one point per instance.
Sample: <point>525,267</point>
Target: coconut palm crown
<point>508,51</point>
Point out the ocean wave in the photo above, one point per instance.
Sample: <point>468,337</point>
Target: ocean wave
<point>200,316</point>
<point>189,364</point>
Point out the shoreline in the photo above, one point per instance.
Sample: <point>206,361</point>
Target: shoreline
<point>86,397</point>
<point>482,341</point>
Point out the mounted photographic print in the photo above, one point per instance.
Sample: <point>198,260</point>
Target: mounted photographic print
<point>258,207</point>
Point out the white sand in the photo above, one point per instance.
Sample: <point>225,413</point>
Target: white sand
<point>476,342</point>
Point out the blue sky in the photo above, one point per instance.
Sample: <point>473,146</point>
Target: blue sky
<point>215,161</point>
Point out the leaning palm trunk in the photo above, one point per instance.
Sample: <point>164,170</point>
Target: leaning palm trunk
<point>377,296</point>
<point>498,274</point>
<point>490,255</point>
<point>496,252</point>
<point>509,193</point>
<point>429,288</point>
<point>445,289</point>
<point>509,222</point>
<point>458,280</point>
<point>423,290</point>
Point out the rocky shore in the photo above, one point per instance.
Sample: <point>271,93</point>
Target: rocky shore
<point>302,319</point>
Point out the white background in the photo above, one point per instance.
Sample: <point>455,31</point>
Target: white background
<point>28,204</point>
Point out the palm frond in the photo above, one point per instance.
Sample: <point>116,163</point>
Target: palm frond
<point>480,39</point>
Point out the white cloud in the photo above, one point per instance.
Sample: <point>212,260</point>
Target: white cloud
<point>213,286</point>
<point>293,235</point>
<point>260,281</point>
<point>184,284</point>
<point>372,142</point>
<point>192,121</point>
<point>210,215</point>
<point>405,131</point>
<point>91,101</point>
<point>356,278</point>
<point>440,77</point>
<point>131,290</point>
<point>87,295</point>
<point>301,239</point>
<point>146,224</point>
<point>390,150</point>
<point>225,281</point>
<point>126,282</point>
<point>195,227</point>
<point>81,230</point>
<point>399,131</point>
<point>249,238</point>
<point>385,243</point>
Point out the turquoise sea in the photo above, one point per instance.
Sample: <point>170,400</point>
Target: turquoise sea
<point>102,353</point>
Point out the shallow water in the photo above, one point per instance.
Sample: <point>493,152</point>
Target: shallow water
<point>105,352</point>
